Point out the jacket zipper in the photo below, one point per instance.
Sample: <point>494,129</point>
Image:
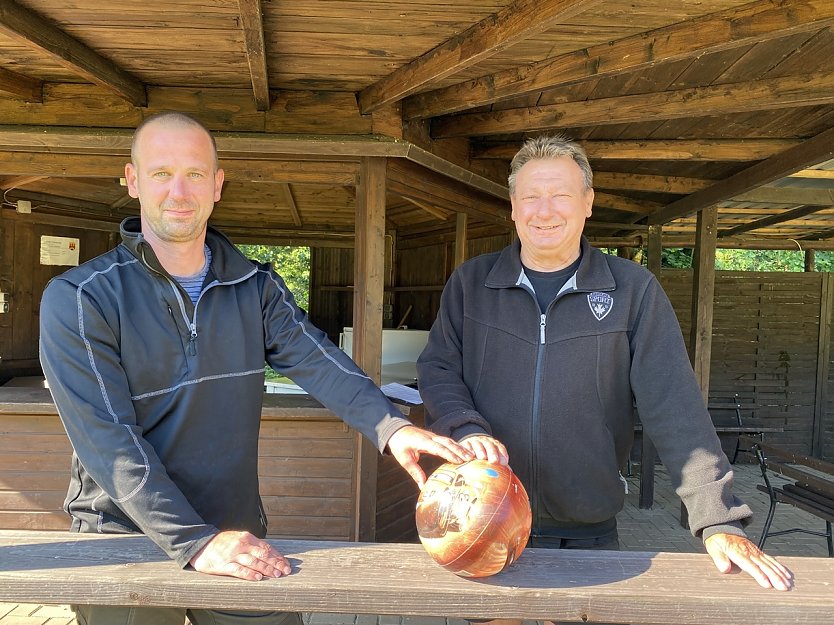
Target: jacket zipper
<point>536,421</point>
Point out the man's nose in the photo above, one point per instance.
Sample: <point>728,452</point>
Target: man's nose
<point>179,186</point>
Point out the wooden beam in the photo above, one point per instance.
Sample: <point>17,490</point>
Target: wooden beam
<point>619,202</point>
<point>724,30</point>
<point>823,369</point>
<point>518,21</point>
<point>30,29</point>
<point>703,296</point>
<point>431,210</point>
<point>369,278</point>
<point>790,215</point>
<point>122,201</point>
<point>20,86</point>
<point>238,170</point>
<point>811,152</point>
<point>823,174</point>
<point>644,182</point>
<point>662,150</point>
<point>755,95</point>
<point>251,21</point>
<point>262,146</point>
<point>19,181</point>
<point>99,223</point>
<point>787,195</point>
<point>296,216</point>
<point>460,239</point>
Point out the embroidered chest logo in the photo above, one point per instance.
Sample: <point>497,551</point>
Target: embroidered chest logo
<point>601,304</point>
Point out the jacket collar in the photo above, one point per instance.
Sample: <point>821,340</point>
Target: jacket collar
<point>593,273</point>
<point>227,262</point>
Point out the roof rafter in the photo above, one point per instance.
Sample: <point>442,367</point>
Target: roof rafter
<point>34,31</point>
<point>788,195</point>
<point>790,215</point>
<point>664,149</point>
<point>251,21</point>
<point>755,95</point>
<point>756,22</point>
<point>518,21</point>
<point>20,86</point>
<point>813,151</point>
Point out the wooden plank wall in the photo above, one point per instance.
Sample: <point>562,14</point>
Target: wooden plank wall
<point>420,276</point>
<point>22,274</point>
<point>34,472</point>
<point>305,469</point>
<point>765,346</point>
<point>305,472</point>
<point>331,292</point>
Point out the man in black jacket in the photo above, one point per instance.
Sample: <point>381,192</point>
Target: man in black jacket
<point>539,354</point>
<point>154,353</point>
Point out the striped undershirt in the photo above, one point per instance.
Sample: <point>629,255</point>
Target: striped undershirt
<point>194,284</point>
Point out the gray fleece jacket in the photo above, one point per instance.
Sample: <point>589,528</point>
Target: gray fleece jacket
<point>559,389</point>
<point>161,399</point>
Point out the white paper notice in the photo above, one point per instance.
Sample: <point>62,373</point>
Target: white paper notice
<point>59,251</point>
<point>403,392</point>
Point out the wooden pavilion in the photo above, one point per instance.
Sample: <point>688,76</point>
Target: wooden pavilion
<point>379,134</point>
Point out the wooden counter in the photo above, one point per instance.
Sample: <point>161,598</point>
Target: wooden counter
<point>308,471</point>
<point>371,578</point>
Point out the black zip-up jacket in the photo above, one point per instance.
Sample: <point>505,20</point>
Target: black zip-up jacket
<point>559,389</point>
<point>162,399</point>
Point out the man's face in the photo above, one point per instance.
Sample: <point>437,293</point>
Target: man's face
<point>175,179</point>
<point>550,206</point>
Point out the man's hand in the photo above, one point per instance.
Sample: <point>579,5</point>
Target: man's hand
<point>486,448</point>
<point>240,554</point>
<point>409,442</point>
<point>728,549</point>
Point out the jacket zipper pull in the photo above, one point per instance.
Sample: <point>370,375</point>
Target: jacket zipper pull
<point>542,324</point>
<point>192,343</point>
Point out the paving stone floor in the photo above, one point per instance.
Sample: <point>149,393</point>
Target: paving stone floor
<point>657,529</point>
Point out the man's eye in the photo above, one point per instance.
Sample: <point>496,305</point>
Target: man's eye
<point>195,174</point>
<point>160,174</point>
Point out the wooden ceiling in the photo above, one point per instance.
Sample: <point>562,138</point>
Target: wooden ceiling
<point>680,106</point>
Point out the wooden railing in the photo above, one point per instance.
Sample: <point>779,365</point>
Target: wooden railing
<point>401,579</point>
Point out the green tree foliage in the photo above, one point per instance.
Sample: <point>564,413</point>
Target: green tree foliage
<point>292,263</point>
<point>751,260</point>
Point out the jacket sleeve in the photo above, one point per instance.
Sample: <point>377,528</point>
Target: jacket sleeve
<point>302,352</point>
<point>81,359</point>
<point>450,410</point>
<point>671,407</point>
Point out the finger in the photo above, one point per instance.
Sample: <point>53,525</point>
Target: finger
<point>270,564</point>
<point>722,562</point>
<point>477,447</point>
<point>447,449</point>
<point>408,463</point>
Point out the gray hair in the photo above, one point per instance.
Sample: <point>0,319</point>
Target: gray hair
<point>173,118</point>
<point>548,147</point>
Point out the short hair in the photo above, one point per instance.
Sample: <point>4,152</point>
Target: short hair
<point>173,118</point>
<point>549,147</point>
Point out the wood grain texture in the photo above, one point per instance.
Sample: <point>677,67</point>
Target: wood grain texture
<point>369,578</point>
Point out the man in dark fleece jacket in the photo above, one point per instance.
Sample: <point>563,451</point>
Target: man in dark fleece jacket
<point>539,354</point>
<point>154,353</point>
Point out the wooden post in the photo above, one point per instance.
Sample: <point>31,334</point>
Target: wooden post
<point>823,366</point>
<point>369,280</point>
<point>648,454</point>
<point>809,260</point>
<point>703,294</point>
<point>460,239</point>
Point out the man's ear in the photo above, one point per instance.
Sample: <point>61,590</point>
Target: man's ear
<point>219,177</point>
<point>130,177</point>
<point>589,209</point>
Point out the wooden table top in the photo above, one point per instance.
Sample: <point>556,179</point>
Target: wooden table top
<point>368,578</point>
